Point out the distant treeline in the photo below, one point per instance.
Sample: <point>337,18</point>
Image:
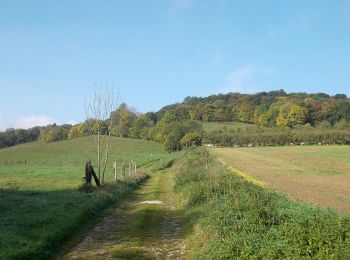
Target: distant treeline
<point>168,130</point>
<point>338,134</point>
<point>281,118</point>
<point>50,133</point>
<point>18,136</point>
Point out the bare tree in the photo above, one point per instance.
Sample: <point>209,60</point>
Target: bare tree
<point>98,113</point>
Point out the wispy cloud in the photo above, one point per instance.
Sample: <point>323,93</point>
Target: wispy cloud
<point>25,122</point>
<point>33,120</point>
<point>178,6</point>
<point>244,79</point>
<point>72,122</point>
<point>269,71</point>
<point>238,79</point>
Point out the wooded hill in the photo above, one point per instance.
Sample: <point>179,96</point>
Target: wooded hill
<point>274,108</point>
<point>280,118</point>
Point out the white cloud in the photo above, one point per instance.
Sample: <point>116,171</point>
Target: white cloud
<point>72,122</point>
<point>238,79</point>
<point>33,120</point>
<point>26,122</point>
<point>245,78</point>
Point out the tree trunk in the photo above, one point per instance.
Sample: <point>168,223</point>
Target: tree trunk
<point>98,155</point>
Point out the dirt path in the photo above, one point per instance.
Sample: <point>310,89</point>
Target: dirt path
<point>146,226</point>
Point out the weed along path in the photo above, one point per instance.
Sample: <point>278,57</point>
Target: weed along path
<point>145,226</point>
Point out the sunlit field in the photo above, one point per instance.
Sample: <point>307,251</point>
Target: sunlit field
<point>61,164</point>
<point>317,174</point>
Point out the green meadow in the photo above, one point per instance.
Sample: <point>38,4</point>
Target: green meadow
<point>61,164</point>
<point>205,210</point>
<point>40,204</point>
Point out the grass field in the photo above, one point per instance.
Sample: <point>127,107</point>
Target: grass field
<point>316,174</point>
<point>61,164</point>
<point>212,126</point>
<point>40,205</point>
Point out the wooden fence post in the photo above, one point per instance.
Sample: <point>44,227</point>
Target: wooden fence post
<point>124,165</point>
<point>89,171</point>
<point>115,170</point>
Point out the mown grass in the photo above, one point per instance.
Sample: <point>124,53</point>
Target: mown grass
<point>317,174</point>
<point>237,219</point>
<point>40,204</point>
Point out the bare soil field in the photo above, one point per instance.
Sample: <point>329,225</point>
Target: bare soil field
<point>316,174</point>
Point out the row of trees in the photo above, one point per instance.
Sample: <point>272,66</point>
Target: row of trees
<point>45,134</point>
<point>18,136</point>
<point>281,136</point>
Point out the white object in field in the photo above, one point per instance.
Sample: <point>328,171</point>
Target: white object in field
<point>115,170</point>
<point>154,202</point>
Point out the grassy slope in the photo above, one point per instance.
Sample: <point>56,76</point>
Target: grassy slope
<point>39,204</point>
<point>232,218</point>
<point>44,171</point>
<point>318,174</point>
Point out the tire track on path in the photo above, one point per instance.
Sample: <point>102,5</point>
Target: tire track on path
<point>145,226</point>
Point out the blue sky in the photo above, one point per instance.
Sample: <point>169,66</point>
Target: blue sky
<point>157,52</point>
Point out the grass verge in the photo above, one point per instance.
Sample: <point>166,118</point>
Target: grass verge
<point>233,218</point>
<point>35,224</point>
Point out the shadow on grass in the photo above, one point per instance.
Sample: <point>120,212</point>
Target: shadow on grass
<point>34,224</point>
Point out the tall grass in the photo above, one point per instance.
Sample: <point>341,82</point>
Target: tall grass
<point>236,218</point>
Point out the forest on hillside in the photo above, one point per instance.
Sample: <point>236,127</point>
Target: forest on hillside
<point>279,118</point>
<point>274,108</point>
